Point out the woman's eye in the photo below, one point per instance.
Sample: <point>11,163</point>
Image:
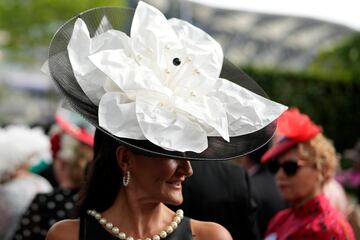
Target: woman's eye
<point>176,61</point>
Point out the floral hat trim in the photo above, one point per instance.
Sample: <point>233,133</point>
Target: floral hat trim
<point>162,84</point>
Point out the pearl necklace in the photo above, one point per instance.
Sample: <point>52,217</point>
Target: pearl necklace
<point>116,231</point>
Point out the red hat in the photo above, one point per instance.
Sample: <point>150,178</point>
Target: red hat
<point>74,125</point>
<point>78,133</point>
<point>293,127</point>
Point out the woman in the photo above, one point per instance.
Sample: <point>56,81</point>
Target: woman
<point>20,148</point>
<point>157,102</point>
<point>139,199</point>
<point>71,142</point>
<point>304,160</point>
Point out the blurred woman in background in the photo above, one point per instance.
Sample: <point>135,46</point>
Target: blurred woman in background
<point>20,147</point>
<point>72,151</point>
<point>304,160</point>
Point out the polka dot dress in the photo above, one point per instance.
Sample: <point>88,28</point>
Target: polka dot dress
<point>44,211</point>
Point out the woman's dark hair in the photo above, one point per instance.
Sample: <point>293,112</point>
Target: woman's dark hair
<point>103,178</point>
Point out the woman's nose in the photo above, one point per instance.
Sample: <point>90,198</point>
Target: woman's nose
<point>186,167</point>
<point>280,174</point>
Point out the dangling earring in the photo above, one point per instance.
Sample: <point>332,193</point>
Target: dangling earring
<point>126,178</point>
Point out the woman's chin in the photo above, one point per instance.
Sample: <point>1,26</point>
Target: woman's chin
<point>174,201</point>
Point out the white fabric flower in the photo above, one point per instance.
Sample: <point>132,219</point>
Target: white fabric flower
<point>162,84</point>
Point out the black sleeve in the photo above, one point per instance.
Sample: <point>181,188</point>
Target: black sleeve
<point>251,230</point>
<point>244,210</point>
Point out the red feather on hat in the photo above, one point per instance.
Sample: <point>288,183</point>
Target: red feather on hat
<point>293,127</point>
<point>297,126</point>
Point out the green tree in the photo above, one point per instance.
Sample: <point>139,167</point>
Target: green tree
<point>30,24</point>
<point>341,61</point>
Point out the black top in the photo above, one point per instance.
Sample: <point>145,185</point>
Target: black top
<point>45,210</point>
<point>220,192</point>
<point>266,195</point>
<point>91,229</point>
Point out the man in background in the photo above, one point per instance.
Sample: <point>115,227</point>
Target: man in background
<point>263,188</point>
<point>220,192</point>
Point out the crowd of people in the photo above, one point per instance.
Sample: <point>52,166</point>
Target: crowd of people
<point>41,174</point>
<point>280,193</point>
<point>146,159</point>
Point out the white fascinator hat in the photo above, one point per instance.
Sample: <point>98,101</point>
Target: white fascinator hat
<point>22,146</point>
<point>159,86</point>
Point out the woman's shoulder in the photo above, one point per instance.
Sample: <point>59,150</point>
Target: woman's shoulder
<point>209,230</point>
<point>333,226</point>
<point>64,230</point>
<point>278,219</point>
<point>282,214</point>
<point>336,229</point>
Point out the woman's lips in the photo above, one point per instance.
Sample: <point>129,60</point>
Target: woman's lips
<point>175,184</point>
<point>283,186</point>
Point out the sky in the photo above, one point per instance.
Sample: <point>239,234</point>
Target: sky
<point>345,12</point>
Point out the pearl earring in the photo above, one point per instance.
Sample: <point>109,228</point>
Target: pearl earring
<point>126,178</point>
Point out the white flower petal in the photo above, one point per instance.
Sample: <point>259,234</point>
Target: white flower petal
<point>206,110</point>
<point>206,57</point>
<point>111,39</point>
<point>125,72</point>
<point>205,51</point>
<point>149,26</point>
<point>91,79</point>
<point>167,128</point>
<point>151,36</point>
<point>247,111</point>
<point>93,85</point>
<point>110,86</point>
<point>79,48</point>
<point>117,115</point>
<point>191,78</point>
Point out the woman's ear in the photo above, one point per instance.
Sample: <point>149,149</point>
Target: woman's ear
<point>321,179</point>
<point>122,158</point>
<point>325,174</point>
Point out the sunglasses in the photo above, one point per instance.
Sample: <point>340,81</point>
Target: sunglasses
<point>290,168</point>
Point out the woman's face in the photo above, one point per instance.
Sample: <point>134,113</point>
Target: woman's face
<point>158,178</point>
<point>301,186</point>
